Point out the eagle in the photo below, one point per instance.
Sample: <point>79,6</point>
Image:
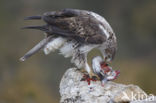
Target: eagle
<point>75,33</point>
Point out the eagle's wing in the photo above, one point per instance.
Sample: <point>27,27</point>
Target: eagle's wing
<point>72,24</point>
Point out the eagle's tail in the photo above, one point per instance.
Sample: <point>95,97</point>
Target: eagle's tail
<point>50,19</point>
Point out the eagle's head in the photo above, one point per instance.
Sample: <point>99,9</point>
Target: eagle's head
<point>108,54</point>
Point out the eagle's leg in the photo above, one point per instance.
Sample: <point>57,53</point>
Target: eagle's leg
<point>94,76</point>
<point>82,70</point>
<point>91,74</point>
<point>88,77</point>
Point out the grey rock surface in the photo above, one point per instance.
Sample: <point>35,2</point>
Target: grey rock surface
<point>73,90</point>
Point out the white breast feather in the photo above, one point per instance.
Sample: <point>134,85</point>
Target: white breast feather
<point>67,49</point>
<point>54,45</point>
<point>86,48</point>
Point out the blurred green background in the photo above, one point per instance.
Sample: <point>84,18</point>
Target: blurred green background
<point>37,79</point>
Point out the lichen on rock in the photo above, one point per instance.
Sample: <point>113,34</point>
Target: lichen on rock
<point>73,90</point>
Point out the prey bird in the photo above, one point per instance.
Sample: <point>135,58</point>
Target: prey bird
<point>75,33</point>
<point>103,70</point>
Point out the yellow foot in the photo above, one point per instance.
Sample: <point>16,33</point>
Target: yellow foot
<point>90,77</point>
<point>94,76</point>
<point>83,70</point>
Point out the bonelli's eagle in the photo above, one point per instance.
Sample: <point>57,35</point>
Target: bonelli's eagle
<point>75,33</point>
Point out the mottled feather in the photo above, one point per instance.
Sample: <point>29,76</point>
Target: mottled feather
<point>75,33</point>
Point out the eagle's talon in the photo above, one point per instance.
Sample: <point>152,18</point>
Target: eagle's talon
<point>94,78</point>
<point>87,78</point>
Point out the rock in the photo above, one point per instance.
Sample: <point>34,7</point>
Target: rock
<point>73,90</point>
